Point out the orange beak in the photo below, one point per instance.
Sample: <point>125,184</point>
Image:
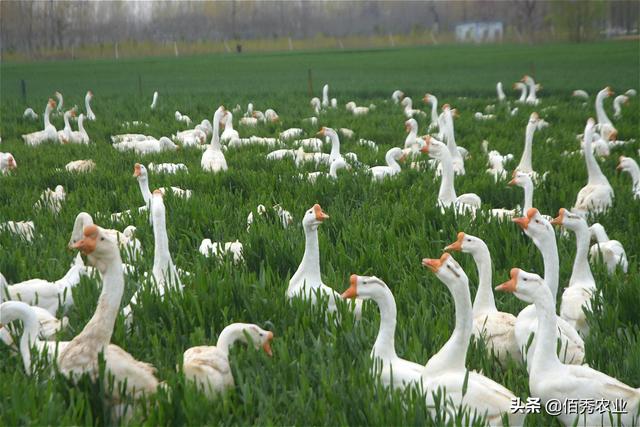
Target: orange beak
<point>87,244</point>
<point>512,182</point>
<point>445,106</point>
<point>509,285</point>
<point>454,113</point>
<point>613,136</point>
<point>427,141</point>
<point>558,220</point>
<point>619,167</point>
<point>136,170</point>
<point>407,127</point>
<point>457,245</point>
<point>610,92</point>
<point>267,344</point>
<point>523,222</point>
<point>352,291</point>
<point>321,132</point>
<point>435,264</point>
<point>320,215</point>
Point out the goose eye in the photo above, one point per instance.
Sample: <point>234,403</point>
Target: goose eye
<point>102,238</point>
<point>524,278</point>
<point>537,222</point>
<point>468,240</point>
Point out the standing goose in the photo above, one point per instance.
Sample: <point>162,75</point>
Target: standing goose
<point>154,102</point>
<point>393,156</point>
<point>627,164</point>
<point>87,100</point>
<point>431,99</point>
<point>80,136</point>
<point>525,164</point>
<point>601,115</point>
<point>611,251</point>
<point>325,96</point>
<point>551,379</point>
<point>500,92</point>
<point>536,227</point>
<point>229,133</point>
<point>412,142</point>
<point>306,283</point>
<point>576,298</point>
<point>165,274</point>
<point>64,135</point>
<point>397,96</point>
<point>531,97</point>
<point>60,99</point>
<point>597,195</point>
<point>495,327</point>
<point>49,132</point>
<point>446,370</point>
<point>396,372</point>
<point>449,136</point>
<point>617,105</point>
<point>81,354</point>
<point>209,367</point>
<point>523,91</point>
<point>213,158</point>
<point>523,180</point>
<point>465,203</point>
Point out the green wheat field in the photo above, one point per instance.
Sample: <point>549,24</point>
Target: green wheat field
<point>320,372</point>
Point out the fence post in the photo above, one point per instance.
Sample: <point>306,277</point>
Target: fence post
<point>23,88</point>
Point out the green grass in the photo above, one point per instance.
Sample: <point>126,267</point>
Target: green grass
<point>319,372</point>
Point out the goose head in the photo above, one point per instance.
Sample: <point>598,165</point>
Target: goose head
<point>521,179</point>
<point>219,115</point>
<point>259,337</point>
<point>428,98</point>
<point>447,270</point>
<point>519,86</point>
<point>395,154</point>
<point>570,220</point>
<point>468,244</point>
<point>139,171</point>
<point>8,161</point>
<point>535,226</point>
<point>51,104</point>
<point>88,96</point>
<point>526,79</point>
<point>525,286</point>
<point>325,131</point>
<point>434,148</point>
<point>168,144</point>
<point>365,287</point>
<point>102,247</point>
<point>130,231</point>
<point>626,164</point>
<point>406,102</point>
<point>411,125</point>
<point>314,217</point>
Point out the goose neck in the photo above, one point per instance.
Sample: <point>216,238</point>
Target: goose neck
<point>581,272</point>
<point>447,192</point>
<point>434,111</point>
<point>143,183</point>
<point>549,249</point>
<point>528,196</point>
<point>384,346</point>
<point>544,353</point>
<point>228,337</point>
<point>525,161</point>
<point>484,301</point>
<point>311,258</point>
<point>595,175</point>
<point>601,115</point>
<point>335,145</point>
<point>453,354</point>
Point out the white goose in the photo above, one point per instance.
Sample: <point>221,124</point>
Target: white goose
<point>80,166</point>
<point>500,92</point>
<point>446,371</point>
<point>412,142</point>
<point>49,132</point>
<point>7,163</point>
<point>220,250</point>
<point>140,173</point>
<point>457,161</point>
<point>525,161</point>
<point>394,371</point>
<point>495,327</point>
<point>496,163</point>
<point>81,354</point>
<point>87,99</point>
<point>60,99</point>
<point>168,168</point>
<point>465,203</point>
<point>397,96</point>
<point>393,156</point>
<point>209,367</point>
<point>325,96</point>
<point>431,99</point>
<point>64,135</point>
<point>22,229</point>
<point>316,104</point>
<point>580,94</point>
<point>549,378</point>
<point>336,165</point>
<point>524,181</point>
<point>335,143</point>
<point>183,118</point>
<point>523,91</point>
<point>45,294</point>
<point>164,272</point>
<point>629,165</point>
<point>618,101</point>
<point>306,283</point>
<point>154,101</point>
<point>601,115</point>
<point>51,199</point>
<point>409,111</point>
<point>30,114</point>
<point>229,133</point>
<point>80,136</point>
<point>531,99</point>
<point>213,158</point>
<point>46,325</point>
<point>611,251</point>
<point>597,195</point>
<point>536,227</point>
<point>147,146</point>
<point>576,298</point>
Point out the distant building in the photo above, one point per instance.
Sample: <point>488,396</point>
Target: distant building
<point>479,32</point>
